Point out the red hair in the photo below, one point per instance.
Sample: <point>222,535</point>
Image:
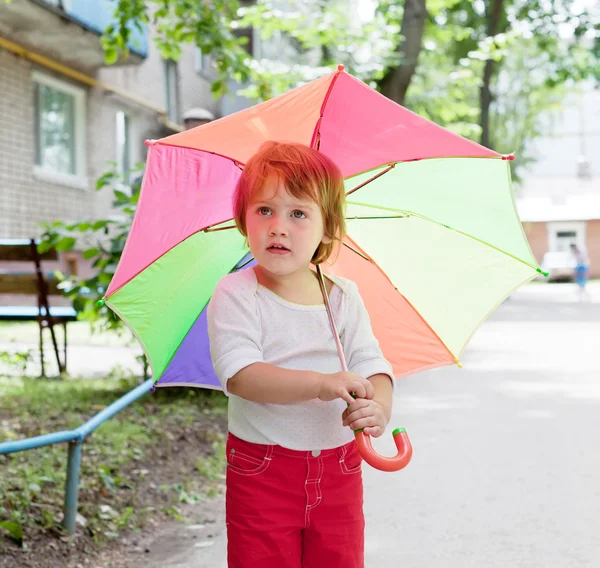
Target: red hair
<point>306,174</point>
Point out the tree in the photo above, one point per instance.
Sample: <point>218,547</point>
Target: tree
<point>102,242</point>
<point>496,29</point>
<point>396,80</point>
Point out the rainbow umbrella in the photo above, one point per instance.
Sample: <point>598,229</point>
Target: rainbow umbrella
<point>435,242</point>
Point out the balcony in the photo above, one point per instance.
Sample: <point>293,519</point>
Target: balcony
<point>66,30</point>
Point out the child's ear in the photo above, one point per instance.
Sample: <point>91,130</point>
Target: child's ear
<point>326,240</point>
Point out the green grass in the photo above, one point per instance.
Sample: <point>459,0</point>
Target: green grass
<point>165,449</point>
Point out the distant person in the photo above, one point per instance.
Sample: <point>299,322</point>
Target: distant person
<point>581,271</point>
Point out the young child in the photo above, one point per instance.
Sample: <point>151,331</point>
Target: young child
<point>294,486</point>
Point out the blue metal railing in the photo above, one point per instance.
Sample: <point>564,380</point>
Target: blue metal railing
<point>75,439</point>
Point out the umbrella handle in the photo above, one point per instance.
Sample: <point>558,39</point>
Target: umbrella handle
<point>363,440</point>
<point>383,463</point>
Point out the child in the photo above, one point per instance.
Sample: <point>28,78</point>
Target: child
<point>581,271</point>
<point>294,485</point>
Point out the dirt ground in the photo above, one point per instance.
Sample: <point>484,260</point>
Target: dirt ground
<point>51,549</point>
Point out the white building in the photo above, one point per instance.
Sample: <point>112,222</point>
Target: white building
<point>559,202</point>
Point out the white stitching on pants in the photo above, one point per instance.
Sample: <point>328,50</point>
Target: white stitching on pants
<point>317,484</point>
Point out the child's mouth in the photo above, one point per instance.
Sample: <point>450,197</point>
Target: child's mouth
<point>278,250</point>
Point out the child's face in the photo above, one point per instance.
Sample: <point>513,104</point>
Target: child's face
<point>283,232</point>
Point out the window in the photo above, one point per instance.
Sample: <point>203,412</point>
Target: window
<point>123,147</point>
<point>59,131</point>
<point>202,62</point>
<point>250,36</point>
<point>172,86</point>
<point>565,233</point>
<point>564,239</point>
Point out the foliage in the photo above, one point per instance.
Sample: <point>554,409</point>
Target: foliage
<point>120,460</point>
<point>207,25</point>
<point>16,360</point>
<point>102,243</point>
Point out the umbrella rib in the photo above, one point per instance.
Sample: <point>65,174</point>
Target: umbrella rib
<point>315,142</point>
<point>429,219</point>
<point>391,166</point>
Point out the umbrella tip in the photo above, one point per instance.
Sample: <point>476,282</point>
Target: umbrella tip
<point>100,302</point>
<point>340,68</point>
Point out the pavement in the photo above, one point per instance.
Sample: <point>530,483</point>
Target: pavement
<point>506,461</point>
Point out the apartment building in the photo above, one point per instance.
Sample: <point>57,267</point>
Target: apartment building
<point>559,201</point>
<point>64,114</point>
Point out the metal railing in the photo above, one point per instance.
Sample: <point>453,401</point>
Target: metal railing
<point>75,439</point>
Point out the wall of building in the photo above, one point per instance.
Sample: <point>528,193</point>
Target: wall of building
<point>148,80</point>
<point>25,200</point>
<point>593,247</point>
<point>537,235</point>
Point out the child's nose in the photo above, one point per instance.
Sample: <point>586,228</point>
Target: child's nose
<point>277,227</point>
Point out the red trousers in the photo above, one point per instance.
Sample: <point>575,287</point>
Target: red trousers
<point>291,509</point>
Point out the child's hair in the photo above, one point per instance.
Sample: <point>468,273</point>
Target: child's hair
<point>306,174</point>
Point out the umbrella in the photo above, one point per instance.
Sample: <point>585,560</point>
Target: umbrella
<point>435,242</point>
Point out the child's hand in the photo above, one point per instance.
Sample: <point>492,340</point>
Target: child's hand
<point>343,385</point>
<point>367,415</point>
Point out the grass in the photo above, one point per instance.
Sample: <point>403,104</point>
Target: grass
<point>164,450</point>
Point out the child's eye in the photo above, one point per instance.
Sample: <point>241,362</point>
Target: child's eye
<point>298,214</point>
<point>264,211</point>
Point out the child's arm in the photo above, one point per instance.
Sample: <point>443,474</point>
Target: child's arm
<point>261,382</point>
<point>234,330</point>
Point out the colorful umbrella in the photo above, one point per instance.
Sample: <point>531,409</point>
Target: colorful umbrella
<point>435,242</point>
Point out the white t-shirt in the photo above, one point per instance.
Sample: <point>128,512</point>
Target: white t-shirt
<point>248,323</point>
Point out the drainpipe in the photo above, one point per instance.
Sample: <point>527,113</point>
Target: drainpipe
<point>87,80</point>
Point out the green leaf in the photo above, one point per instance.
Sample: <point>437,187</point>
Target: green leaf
<point>14,529</point>
<point>90,253</point>
<point>111,55</point>
<point>45,246</point>
<point>105,179</point>
<point>66,243</point>
<point>98,225</point>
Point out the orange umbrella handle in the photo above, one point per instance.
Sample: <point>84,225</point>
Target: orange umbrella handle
<point>399,461</point>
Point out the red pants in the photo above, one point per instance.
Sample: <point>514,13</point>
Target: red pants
<point>290,509</point>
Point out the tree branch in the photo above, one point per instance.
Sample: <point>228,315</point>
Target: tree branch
<point>485,93</point>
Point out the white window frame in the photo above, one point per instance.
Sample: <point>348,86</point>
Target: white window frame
<point>578,227</point>
<point>171,74</point>
<point>128,141</point>
<point>79,179</point>
<point>202,63</point>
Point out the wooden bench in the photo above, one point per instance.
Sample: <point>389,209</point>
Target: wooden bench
<point>33,282</point>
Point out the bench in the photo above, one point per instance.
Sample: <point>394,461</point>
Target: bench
<point>28,279</point>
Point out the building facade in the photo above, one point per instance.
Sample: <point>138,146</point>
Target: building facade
<point>559,201</point>
<point>65,115</point>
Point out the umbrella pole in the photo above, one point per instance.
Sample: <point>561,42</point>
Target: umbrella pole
<point>336,335</point>
<point>363,440</point>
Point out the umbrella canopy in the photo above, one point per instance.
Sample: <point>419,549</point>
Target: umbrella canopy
<point>435,242</point>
